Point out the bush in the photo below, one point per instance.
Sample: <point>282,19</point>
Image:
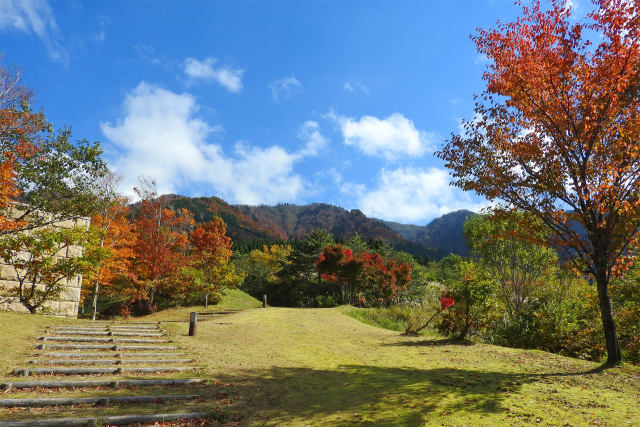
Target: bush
<point>395,318</point>
<point>471,294</point>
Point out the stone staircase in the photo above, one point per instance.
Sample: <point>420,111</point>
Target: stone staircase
<point>94,357</point>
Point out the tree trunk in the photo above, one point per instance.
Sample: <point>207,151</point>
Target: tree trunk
<point>95,300</point>
<point>97,287</point>
<point>467,324</point>
<point>608,324</point>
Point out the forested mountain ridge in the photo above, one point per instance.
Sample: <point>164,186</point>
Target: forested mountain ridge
<point>443,233</point>
<point>286,222</point>
<point>294,222</point>
<point>239,226</point>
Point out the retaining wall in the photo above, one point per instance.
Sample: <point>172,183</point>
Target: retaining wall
<point>67,303</point>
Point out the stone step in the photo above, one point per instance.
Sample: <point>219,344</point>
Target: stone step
<point>107,329</point>
<point>98,383</point>
<point>106,361</point>
<point>108,354</point>
<point>110,333</point>
<point>113,420</point>
<point>97,400</point>
<point>80,370</point>
<point>108,323</point>
<point>100,339</point>
<point>105,347</point>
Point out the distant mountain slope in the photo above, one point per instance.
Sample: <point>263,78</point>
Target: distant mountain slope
<point>294,222</point>
<point>239,226</point>
<point>443,233</point>
<point>289,222</point>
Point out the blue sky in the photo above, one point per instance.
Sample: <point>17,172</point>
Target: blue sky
<point>263,102</point>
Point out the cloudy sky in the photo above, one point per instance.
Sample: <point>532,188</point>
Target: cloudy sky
<point>263,102</point>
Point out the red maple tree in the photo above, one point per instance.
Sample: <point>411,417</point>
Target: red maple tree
<point>556,134</point>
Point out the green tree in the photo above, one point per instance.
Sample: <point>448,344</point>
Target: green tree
<point>261,267</point>
<point>519,266</point>
<point>357,244</point>
<point>51,178</point>
<point>40,265</point>
<point>471,291</point>
<point>299,278</point>
<point>61,180</point>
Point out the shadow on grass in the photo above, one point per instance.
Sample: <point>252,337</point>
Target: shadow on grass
<point>432,343</point>
<point>382,395</point>
<point>348,394</point>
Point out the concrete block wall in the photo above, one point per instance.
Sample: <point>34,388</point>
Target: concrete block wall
<point>66,305</point>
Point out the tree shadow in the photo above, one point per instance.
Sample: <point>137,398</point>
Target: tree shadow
<point>344,395</point>
<point>432,343</point>
<point>356,393</point>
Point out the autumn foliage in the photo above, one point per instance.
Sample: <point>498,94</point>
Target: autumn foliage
<point>155,257</point>
<point>556,134</point>
<point>113,251</point>
<point>19,127</point>
<point>208,268</point>
<point>365,279</point>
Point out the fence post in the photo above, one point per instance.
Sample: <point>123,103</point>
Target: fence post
<point>206,300</point>
<point>193,321</point>
<point>264,301</point>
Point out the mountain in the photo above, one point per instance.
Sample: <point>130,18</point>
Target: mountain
<point>443,233</point>
<point>239,226</point>
<point>286,222</point>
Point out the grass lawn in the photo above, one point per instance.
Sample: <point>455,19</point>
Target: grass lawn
<point>281,366</point>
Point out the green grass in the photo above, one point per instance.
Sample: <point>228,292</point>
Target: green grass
<point>281,366</point>
<point>232,299</point>
<point>394,318</point>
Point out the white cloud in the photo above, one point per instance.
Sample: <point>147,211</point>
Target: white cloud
<point>33,17</point>
<point>228,77</point>
<point>389,138</point>
<point>413,195</point>
<point>315,141</point>
<point>572,5</point>
<point>285,87</point>
<point>354,86</point>
<point>161,136</point>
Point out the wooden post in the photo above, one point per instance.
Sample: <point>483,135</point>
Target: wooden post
<point>264,301</point>
<point>206,300</point>
<point>193,321</point>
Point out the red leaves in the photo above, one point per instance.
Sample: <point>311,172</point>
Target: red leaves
<point>446,302</point>
<point>368,274</point>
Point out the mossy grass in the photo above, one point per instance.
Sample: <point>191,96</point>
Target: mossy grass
<point>231,299</point>
<point>281,366</point>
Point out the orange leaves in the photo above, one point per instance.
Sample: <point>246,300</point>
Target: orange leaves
<point>211,238</point>
<point>118,240</point>
<point>558,126</point>
<point>19,128</point>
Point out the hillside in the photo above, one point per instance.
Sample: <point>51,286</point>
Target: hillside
<point>285,222</point>
<point>443,233</point>
<point>239,226</point>
<point>294,222</point>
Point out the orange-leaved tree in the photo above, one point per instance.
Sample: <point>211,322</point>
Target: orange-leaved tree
<point>161,244</point>
<point>209,268</point>
<point>556,134</point>
<point>114,249</point>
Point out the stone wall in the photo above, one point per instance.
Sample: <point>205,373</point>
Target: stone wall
<point>67,304</point>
